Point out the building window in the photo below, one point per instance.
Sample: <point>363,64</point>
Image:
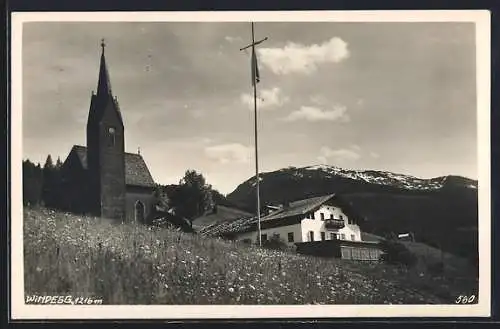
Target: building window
<point>353,237</point>
<point>322,216</point>
<point>312,216</point>
<point>112,136</point>
<point>341,217</point>
<point>139,211</point>
<point>322,236</point>
<point>311,236</point>
<point>342,236</point>
<point>333,236</point>
<point>290,237</point>
<point>263,237</point>
<point>276,235</point>
<point>331,216</point>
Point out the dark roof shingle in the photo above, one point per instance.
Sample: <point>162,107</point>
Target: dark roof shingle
<point>136,170</point>
<point>289,215</point>
<point>300,207</point>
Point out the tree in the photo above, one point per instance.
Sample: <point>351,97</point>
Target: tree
<point>396,252</point>
<point>193,197</point>
<point>51,183</point>
<point>275,242</point>
<point>32,183</point>
<point>49,164</point>
<point>218,197</point>
<point>58,163</point>
<point>162,199</point>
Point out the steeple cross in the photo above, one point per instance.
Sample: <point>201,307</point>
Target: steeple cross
<point>103,45</point>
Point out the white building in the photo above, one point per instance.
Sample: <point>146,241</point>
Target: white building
<point>321,226</point>
<point>314,219</point>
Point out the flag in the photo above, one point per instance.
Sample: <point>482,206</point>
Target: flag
<point>255,68</point>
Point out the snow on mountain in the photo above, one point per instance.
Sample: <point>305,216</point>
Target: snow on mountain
<point>374,177</point>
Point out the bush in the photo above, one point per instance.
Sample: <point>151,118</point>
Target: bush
<point>397,253</point>
<point>275,243</point>
<point>436,268</point>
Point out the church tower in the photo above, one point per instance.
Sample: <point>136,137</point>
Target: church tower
<point>105,150</point>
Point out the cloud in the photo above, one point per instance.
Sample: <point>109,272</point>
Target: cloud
<point>318,99</point>
<point>232,39</point>
<point>229,153</point>
<point>355,147</point>
<point>298,58</point>
<point>315,114</point>
<point>374,155</point>
<point>267,98</point>
<point>345,154</point>
<point>197,113</point>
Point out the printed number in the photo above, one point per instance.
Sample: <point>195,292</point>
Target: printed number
<point>465,299</point>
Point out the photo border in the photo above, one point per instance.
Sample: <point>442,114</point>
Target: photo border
<point>483,60</point>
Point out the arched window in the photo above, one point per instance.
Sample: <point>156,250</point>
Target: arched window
<point>112,136</point>
<point>139,211</point>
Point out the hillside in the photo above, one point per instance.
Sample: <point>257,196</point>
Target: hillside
<point>134,264</point>
<point>440,211</point>
<point>427,255</point>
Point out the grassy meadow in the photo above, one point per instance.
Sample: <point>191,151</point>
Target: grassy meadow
<point>66,254</point>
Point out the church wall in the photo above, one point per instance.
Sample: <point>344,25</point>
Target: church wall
<point>132,196</point>
<point>74,196</point>
<point>112,165</point>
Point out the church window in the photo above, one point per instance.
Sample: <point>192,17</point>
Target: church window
<point>112,136</point>
<point>139,211</point>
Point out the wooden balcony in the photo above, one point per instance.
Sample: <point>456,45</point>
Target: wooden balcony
<point>334,224</point>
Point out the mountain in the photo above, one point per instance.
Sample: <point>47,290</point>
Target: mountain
<point>441,211</point>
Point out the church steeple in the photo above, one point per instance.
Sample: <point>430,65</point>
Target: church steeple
<point>103,85</point>
<point>105,150</point>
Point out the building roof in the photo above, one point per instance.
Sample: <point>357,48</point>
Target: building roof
<point>300,207</point>
<point>289,215</point>
<point>239,225</point>
<point>136,170</point>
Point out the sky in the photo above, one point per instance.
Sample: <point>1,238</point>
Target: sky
<point>399,97</point>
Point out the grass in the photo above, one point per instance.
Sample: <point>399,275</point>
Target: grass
<point>133,264</point>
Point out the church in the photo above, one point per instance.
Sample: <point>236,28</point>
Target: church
<point>101,179</point>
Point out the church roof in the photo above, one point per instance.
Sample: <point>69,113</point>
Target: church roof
<point>104,95</point>
<point>104,83</point>
<point>136,170</point>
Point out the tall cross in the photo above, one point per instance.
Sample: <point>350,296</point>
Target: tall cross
<point>254,83</point>
<point>103,45</point>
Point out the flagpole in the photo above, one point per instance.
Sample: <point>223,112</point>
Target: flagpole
<point>256,145</point>
<point>255,80</point>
